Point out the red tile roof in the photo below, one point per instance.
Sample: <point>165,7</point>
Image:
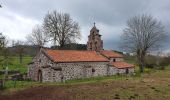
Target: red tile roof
<point>111,54</point>
<point>121,65</point>
<point>75,56</point>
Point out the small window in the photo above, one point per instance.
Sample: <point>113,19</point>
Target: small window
<point>93,70</point>
<point>114,60</point>
<point>58,69</point>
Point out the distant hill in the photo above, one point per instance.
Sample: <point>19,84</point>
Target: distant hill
<point>31,50</point>
<point>72,46</point>
<point>118,51</point>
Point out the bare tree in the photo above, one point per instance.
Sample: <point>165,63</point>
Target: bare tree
<point>61,28</point>
<point>4,53</point>
<point>143,34</point>
<point>37,37</point>
<point>2,41</point>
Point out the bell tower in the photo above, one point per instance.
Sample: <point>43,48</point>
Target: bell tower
<point>94,40</point>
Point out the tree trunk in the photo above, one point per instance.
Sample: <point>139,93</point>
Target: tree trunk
<point>141,59</point>
<point>55,39</point>
<point>62,44</point>
<point>141,67</point>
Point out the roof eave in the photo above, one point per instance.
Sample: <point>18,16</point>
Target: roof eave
<point>124,67</point>
<point>77,61</point>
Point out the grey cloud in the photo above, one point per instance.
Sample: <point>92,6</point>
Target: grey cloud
<point>109,15</point>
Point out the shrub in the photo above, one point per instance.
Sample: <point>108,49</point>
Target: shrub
<point>165,61</point>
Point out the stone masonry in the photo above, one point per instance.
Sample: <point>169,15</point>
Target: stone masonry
<point>57,72</point>
<point>94,40</point>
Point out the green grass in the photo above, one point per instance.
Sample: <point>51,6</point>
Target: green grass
<point>103,78</point>
<point>130,59</point>
<point>14,64</point>
<point>24,84</point>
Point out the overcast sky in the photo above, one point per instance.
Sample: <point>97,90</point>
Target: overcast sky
<point>18,17</point>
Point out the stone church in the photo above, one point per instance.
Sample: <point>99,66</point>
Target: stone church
<point>60,65</point>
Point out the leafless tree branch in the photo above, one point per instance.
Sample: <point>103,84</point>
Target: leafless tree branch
<point>61,28</point>
<point>38,36</point>
<point>142,34</point>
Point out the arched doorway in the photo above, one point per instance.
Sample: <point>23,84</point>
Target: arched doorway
<point>39,75</point>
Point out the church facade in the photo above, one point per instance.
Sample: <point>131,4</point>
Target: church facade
<point>60,65</point>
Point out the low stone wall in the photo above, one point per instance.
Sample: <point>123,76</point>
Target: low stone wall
<point>123,71</point>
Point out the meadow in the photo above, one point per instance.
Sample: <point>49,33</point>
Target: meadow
<point>15,65</point>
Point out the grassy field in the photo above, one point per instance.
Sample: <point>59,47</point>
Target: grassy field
<point>14,64</point>
<point>153,85</point>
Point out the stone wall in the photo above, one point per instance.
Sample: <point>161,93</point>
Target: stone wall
<point>39,61</point>
<point>30,72</point>
<point>116,59</point>
<point>94,40</point>
<point>64,71</point>
<point>122,71</point>
<point>131,70</point>
<point>112,70</point>
<point>74,71</point>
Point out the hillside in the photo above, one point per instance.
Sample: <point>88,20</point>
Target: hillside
<point>31,50</point>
